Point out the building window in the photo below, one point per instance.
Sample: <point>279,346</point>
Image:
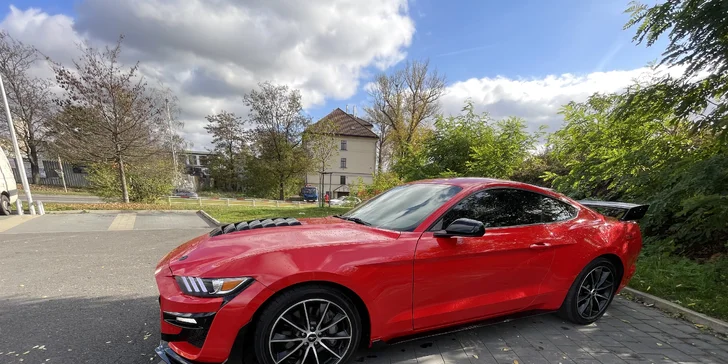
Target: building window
<point>343,162</point>
<point>342,180</point>
<point>343,145</point>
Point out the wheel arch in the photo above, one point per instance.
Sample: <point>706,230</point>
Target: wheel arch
<point>364,313</point>
<point>616,261</point>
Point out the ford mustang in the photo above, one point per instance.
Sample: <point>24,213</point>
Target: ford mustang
<point>425,256</point>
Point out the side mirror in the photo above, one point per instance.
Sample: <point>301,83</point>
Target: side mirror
<point>462,227</point>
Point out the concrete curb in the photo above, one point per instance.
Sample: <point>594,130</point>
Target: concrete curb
<point>208,219</point>
<point>116,211</point>
<point>716,325</point>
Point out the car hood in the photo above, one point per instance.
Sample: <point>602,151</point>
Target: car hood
<point>209,257</point>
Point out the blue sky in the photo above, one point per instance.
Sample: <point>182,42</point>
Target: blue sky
<point>511,57</point>
<point>521,39</point>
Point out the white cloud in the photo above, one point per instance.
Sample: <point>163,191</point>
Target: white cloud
<point>211,52</point>
<point>538,100</point>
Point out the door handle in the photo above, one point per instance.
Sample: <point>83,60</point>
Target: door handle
<point>540,245</point>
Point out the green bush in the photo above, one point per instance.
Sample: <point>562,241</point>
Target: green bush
<point>147,181</point>
<point>380,183</point>
<point>653,158</point>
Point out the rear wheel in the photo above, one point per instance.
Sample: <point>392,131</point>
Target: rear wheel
<point>4,205</point>
<point>308,325</point>
<point>591,293</point>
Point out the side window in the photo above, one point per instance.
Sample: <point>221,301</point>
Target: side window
<point>555,210</point>
<point>497,208</point>
<point>507,207</point>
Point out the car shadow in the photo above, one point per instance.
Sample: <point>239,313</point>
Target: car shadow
<point>79,330</point>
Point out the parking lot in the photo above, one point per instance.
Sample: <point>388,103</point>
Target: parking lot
<point>79,288</point>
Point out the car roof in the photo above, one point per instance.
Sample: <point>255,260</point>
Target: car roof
<point>479,182</point>
<point>468,181</point>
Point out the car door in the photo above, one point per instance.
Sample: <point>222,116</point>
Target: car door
<point>460,279</point>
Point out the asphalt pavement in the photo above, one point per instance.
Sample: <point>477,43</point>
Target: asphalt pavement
<point>79,288</point>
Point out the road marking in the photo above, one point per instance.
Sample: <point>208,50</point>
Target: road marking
<point>13,221</point>
<point>123,222</point>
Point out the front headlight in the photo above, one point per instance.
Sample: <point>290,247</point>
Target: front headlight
<point>211,287</point>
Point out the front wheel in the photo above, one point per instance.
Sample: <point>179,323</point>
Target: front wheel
<point>591,293</point>
<point>308,325</point>
<point>4,205</point>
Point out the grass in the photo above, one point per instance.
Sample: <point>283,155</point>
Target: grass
<point>56,190</point>
<point>701,287</point>
<point>220,194</point>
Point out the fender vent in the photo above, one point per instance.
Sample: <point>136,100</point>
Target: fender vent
<point>254,224</point>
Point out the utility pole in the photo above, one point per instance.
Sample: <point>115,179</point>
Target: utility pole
<point>171,138</point>
<point>16,149</point>
<point>63,175</point>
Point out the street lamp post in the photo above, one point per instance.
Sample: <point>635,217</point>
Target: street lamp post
<point>16,149</point>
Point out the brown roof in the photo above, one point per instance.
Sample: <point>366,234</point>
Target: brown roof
<point>350,125</point>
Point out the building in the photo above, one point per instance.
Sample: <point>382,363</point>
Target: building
<point>196,163</point>
<point>355,158</point>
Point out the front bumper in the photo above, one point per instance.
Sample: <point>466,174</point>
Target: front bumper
<point>169,356</point>
<point>224,320</point>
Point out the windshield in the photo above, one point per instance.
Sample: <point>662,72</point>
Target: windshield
<point>403,208</point>
<point>308,190</point>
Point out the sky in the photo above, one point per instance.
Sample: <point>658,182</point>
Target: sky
<point>511,58</point>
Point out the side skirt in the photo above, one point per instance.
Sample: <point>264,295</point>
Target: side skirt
<point>464,327</point>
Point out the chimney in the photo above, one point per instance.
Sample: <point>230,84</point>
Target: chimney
<point>347,108</point>
<point>354,110</point>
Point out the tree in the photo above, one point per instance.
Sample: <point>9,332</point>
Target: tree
<point>383,148</point>
<point>320,141</point>
<point>109,113</point>
<point>650,157</point>
<point>469,144</point>
<point>402,102</point>
<point>698,40</point>
<point>450,149</point>
<point>537,167</point>
<point>278,115</point>
<point>29,98</point>
<point>228,140</point>
<point>509,146</point>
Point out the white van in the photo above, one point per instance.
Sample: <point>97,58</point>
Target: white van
<point>8,187</point>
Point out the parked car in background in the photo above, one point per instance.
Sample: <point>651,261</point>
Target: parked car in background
<point>428,255</point>
<point>345,201</point>
<point>184,193</point>
<point>309,193</point>
<point>8,186</point>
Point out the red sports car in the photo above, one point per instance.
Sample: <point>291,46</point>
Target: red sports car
<point>429,255</point>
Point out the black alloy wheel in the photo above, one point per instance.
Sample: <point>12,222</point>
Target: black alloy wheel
<point>591,293</point>
<point>595,292</point>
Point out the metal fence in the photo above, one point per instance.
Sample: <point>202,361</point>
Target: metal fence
<point>74,175</point>
<point>250,202</point>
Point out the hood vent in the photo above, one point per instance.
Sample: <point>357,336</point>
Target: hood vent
<point>255,224</point>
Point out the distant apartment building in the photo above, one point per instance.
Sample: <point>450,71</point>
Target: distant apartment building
<point>355,156</point>
<point>196,162</point>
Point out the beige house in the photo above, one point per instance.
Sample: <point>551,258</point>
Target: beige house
<point>355,156</point>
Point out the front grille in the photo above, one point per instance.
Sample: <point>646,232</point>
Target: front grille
<point>255,224</point>
<point>196,337</point>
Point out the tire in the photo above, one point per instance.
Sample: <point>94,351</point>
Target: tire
<point>589,298</point>
<point>280,337</point>
<point>4,205</point>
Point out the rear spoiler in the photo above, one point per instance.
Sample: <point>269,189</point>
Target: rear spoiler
<point>621,210</point>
